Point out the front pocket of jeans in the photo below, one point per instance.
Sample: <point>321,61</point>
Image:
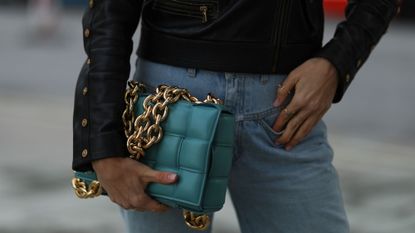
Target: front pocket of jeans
<point>266,120</point>
<point>204,10</point>
<point>269,129</point>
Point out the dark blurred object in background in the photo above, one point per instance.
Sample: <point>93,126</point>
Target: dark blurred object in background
<point>335,8</point>
<point>43,16</point>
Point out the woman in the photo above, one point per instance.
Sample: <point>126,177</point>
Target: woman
<point>265,60</point>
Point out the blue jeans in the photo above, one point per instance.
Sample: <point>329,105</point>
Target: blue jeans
<point>273,190</point>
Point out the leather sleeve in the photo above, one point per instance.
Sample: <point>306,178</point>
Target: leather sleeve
<point>108,27</point>
<point>354,39</point>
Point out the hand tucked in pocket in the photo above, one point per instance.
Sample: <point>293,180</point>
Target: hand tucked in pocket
<point>314,85</point>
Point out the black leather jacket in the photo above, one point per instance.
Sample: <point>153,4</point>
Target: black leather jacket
<point>267,36</point>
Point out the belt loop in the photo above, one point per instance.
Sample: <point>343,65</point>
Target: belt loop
<point>191,72</point>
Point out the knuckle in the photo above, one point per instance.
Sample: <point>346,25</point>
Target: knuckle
<point>159,176</point>
<point>294,123</point>
<point>137,205</point>
<point>138,200</point>
<point>282,91</point>
<point>292,74</point>
<point>298,102</point>
<point>125,206</point>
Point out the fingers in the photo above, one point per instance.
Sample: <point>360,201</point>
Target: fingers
<point>302,131</point>
<point>285,89</point>
<point>131,195</point>
<point>140,202</point>
<point>157,207</point>
<point>315,84</point>
<point>286,114</point>
<point>145,203</point>
<point>292,126</point>
<point>292,119</point>
<point>150,175</point>
<point>127,182</point>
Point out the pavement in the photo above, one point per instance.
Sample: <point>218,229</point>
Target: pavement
<point>371,131</point>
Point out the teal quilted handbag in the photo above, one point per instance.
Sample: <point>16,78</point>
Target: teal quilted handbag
<point>195,141</point>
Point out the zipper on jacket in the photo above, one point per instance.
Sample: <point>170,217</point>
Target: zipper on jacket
<point>283,8</point>
<point>202,10</point>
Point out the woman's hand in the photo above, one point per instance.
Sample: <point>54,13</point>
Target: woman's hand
<point>314,84</point>
<point>125,181</point>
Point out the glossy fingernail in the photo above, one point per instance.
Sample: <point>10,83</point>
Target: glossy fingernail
<point>172,177</point>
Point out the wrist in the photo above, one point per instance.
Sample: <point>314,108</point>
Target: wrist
<point>332,71</point>
<point>102,164</point>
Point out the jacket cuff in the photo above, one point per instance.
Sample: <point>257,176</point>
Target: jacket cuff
<point>345,64</point>
<point>106,145</point>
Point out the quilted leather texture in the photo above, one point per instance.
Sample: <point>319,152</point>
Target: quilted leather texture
<point>197,144</point>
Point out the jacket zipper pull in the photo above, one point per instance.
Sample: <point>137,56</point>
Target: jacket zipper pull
<point>204,10</point>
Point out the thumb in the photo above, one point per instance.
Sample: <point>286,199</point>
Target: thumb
<point>151,175</point>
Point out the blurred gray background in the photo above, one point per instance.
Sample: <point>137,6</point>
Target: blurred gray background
<point>372,130</point>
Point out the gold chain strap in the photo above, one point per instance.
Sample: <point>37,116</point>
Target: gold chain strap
<point>144,131</point>
<point>196,221</point>
<point>130,98</point>
<point>82,191</point>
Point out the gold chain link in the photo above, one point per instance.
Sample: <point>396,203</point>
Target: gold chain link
<point>82,191</point>
<point>196,221</point>
<point>130,98</point>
